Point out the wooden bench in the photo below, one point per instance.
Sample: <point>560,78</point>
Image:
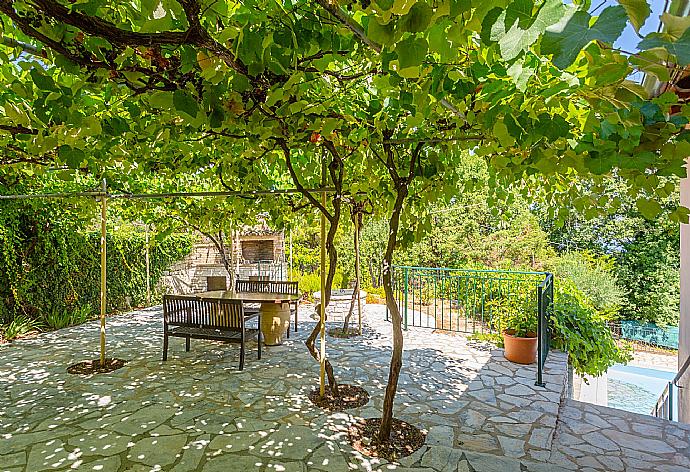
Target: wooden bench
<point>269,286</point>
<point>220,320</point>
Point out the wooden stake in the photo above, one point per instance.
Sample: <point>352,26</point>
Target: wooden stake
<point>357,273</point>
<point>104,213</point>
<point>148,269</point>
<point>322,383</point>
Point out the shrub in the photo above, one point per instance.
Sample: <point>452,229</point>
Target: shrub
<point>49,267</point>
<point>594,276</point>
<point>515,311</point>
<point>375,295</point>
<point>579,329</point>
<point>59,318</point>
<point>20,325</point>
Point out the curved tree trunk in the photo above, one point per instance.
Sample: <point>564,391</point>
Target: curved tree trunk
<point>356,219</point>
<point>396,357</point>
<point>336,171</point>
<point>326,298</point>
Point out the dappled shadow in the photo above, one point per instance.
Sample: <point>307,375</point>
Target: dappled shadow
<point>198,411</point>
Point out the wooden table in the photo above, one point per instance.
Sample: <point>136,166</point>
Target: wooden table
<point>275,310</point>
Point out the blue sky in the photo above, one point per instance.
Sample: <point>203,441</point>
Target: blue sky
<point>629,39</point>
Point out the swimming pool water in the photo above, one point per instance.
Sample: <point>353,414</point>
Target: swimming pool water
<point>635,389</point>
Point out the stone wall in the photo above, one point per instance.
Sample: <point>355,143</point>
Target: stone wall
<point>190,275</point>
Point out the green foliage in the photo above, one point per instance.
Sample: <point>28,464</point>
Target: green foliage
<point>493,338</point>
<point>19,326</point>
<point>515,311</point>
<point>649,271</point>
<point>595,277</point>
<point>579,329</point>
<point>58,317</point>
<point>310,282</point>
<point>51,269</point>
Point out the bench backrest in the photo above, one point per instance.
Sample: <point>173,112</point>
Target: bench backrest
<point>267,286</point>
<point>181,310</point>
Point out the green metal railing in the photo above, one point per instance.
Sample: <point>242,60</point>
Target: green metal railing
<point>470,301</point>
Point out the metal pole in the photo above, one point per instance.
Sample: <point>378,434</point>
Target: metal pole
<point>148,269</point>
<point>405,282</point>
<point>357,273</point>
<point>104,213</point>
<point>290,275</point>
<point>322,379</point>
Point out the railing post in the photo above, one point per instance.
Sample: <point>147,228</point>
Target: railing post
<point>670,401</point>
<point>405,311</point>
<point>540,334</point>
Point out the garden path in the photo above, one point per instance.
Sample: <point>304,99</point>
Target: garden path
<point>198,412</point>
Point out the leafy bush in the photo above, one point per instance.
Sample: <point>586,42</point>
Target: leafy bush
<point>310,282</point>
<point>515,311</point>
<point>375,295</point>
<point>50,265</point>
<point>649,270</point>
<point>579,329</point>
<point>20,325</point>
<point>59,318</point>
<point>594,277</point>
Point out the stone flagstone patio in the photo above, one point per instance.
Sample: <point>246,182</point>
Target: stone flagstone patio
<point>198,412</point>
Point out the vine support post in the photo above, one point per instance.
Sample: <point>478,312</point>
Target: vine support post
<point>104,214</point>
<point>322,314</point>
<point>357,274</point>
<point>148,268</point>
<point>290,269</point>
<point>407,276</point>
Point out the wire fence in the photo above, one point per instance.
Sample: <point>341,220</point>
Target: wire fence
<point>645,336</point>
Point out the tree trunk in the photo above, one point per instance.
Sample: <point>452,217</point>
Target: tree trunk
<point>396,320</point>
<point>355,293</point>
<point>326,297</point>
<point>346,322</point>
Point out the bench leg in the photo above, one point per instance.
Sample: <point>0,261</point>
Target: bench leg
<point>165,346</point>
<point>242,355</point>
<point>186,346</point>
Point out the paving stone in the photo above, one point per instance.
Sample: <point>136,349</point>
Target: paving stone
<point>161,450</point>
<point>512,447</point>
<point>464,396</point>
<point>441,436</point>
<point>192,454</point>
<point>443,459</point>
<point>486,463</point>
<point>638,443</point>
<point>101,443</point>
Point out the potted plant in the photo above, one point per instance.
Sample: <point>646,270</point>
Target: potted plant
<point>517,320</point>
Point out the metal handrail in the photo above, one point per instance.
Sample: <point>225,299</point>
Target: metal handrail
<point>681,372</point>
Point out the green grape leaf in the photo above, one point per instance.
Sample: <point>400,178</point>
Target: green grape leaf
<point>680,48</point>
<point>516,30</point>
<point>638,11</point>
<point>566,38</point>
<point>418,18</point>
<point>675,25</point>
<point>185,103</point>
<point>411,52</point>
<point>649,208</point>
<point>73,157</point>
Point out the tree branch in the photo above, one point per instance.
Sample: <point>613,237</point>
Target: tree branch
<point>298,184</point>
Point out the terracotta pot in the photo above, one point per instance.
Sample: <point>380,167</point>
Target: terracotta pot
<point>520,350</point>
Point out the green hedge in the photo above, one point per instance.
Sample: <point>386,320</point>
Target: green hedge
<point>48,267</point>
